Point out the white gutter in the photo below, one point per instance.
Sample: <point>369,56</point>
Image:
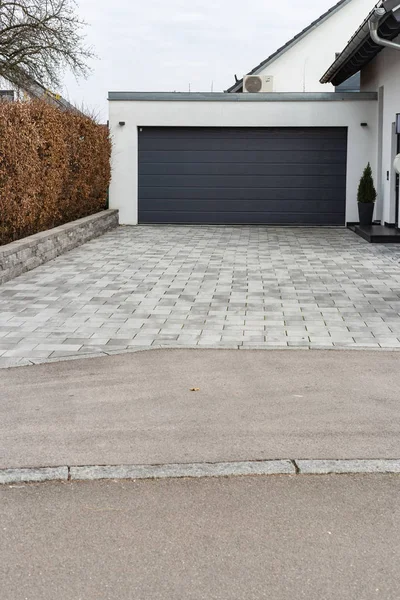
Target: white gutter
<point>374,26</point>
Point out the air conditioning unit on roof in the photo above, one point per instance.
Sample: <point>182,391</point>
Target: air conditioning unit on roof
<point>255,84</point>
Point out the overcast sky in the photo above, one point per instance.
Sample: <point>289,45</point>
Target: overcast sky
<point>167,45</point>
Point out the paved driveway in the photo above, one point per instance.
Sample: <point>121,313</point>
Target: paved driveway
<point>244,287</point>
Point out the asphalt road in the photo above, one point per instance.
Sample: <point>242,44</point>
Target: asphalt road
<point>250,405</point>
<point>277,537</point>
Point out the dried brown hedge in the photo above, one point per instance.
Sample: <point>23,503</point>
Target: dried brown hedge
<point>54,168</point>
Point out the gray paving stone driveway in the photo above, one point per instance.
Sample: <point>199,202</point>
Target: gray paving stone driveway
<point>248,287</point>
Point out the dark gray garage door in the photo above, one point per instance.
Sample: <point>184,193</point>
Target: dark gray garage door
<point>240,175</point>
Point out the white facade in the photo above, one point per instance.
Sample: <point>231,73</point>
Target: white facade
<point>300,66</point>
<point>382,75</point>
<point>231,111</point>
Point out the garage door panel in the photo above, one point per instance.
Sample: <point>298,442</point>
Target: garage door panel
<point>244,205</point>
<point>243,145</point>
<point>222,181</point>
<point>249,157</point>
<point>239,218</point>
<point>238,193</point>
<point>242,175</point>
<point>247,169</point>
<point>244,133</point>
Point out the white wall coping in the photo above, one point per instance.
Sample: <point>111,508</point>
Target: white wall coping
<point>242,97</point>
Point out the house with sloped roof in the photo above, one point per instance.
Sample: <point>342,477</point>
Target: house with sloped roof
<point>297,66</point>
<point>29,88</point>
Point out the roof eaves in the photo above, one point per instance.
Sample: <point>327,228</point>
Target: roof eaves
<point>237,86</point>
<point>360,50</point>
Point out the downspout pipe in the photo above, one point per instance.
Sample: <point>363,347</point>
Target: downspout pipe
<point>374,26</point>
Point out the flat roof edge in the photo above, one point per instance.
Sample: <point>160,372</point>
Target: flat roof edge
<point>241,97</point>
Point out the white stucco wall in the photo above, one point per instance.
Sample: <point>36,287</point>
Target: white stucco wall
<point>135,114</point>
<point>300,68</point>
<point>383,73</point>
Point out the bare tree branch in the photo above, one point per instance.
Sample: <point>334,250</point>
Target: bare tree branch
<point>40,39</point>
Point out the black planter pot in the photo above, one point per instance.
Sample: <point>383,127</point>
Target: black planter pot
<point>365,213</point>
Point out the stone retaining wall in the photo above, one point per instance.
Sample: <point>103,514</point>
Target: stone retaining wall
<point>28,253</point>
